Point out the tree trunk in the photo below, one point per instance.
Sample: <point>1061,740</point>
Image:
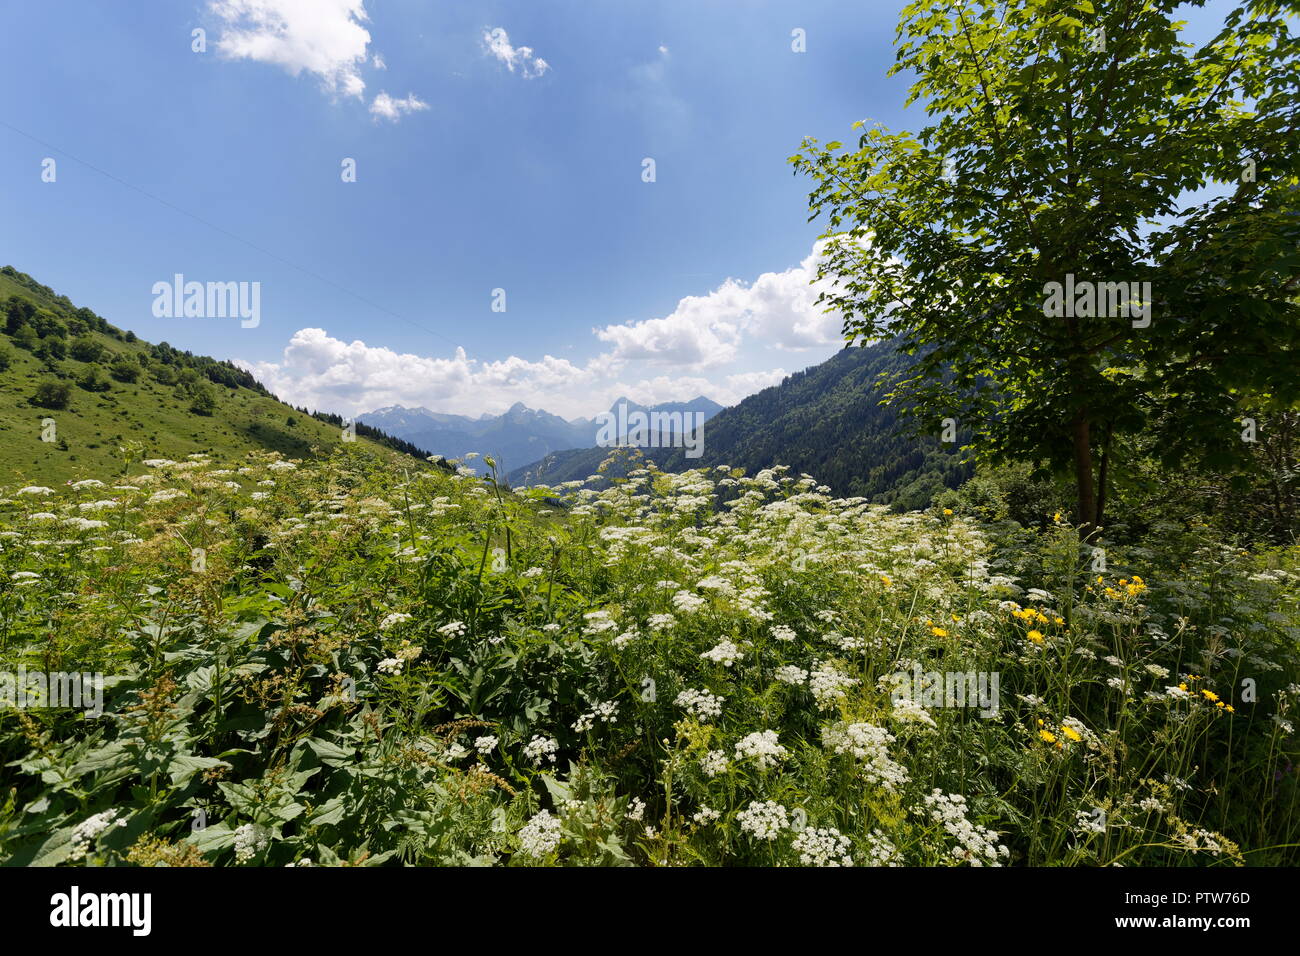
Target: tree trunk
<point>1083,475</point>
<point>1103,473</point>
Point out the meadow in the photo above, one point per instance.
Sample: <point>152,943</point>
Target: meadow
<point>354,661</point>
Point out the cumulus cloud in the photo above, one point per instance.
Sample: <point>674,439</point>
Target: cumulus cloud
<point>323,37</point>
<point>319,371</point>
<point>386,107</point>
<point>706,331</point>
<point>322,372</point>
<point>747,383</point>
<point>713,345</point>
<point>497,43</point>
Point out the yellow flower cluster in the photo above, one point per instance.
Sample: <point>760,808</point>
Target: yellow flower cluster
<point>939,630</point>
<point>1048,737</point>
<point>1208,694</point>
<point>1038,618</point>
<point>1124,587</point>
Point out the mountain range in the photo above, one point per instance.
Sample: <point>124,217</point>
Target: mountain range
<point>519,436</point>
<point>826,421</point>
<point>76,389</point>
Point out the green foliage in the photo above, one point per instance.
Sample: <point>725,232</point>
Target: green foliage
<point>828,421</point>
<point>1010,492</point>
<point>86,348</point>
<point>52,348</point>
<point>202,401</point>
<point>163,374</point>
<point>93,380</point>
<point>243,416</point>
<point>125,370</point>
<point>350,662</point>
<point>1056,153</point>
<point>52,393</point>
<point>25,338</point>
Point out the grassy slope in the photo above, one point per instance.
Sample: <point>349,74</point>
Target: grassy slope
<point>95,423</point>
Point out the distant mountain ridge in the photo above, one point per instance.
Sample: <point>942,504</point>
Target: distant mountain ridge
<point>826,421</point>
<point>516,437</point>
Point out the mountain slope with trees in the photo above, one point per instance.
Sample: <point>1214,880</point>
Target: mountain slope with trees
<point>827,421</point>
<point>78,395</point>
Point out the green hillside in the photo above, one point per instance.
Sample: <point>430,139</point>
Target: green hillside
<point>102,388</point>
<point>825,421</point>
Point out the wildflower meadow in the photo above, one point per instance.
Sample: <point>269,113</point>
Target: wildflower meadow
<point>359,661</point>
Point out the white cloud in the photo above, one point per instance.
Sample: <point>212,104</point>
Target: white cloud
<point>747,383</point>
<point>378,62</point>
<point>697,335</point>
<point>497,43</point>
<point>322,372</point>
<point>385,107</point>
<point>323,37</point>
<point>717,345</point>
<point>778,308</point>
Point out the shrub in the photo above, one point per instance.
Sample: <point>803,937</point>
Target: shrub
<point>52,393</point>
<point>124,370</point>
<point>86,348</point>
<point>93,380</point>
<point>202,401</point>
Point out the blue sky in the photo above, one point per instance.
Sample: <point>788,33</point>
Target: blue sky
<point>509,160</point>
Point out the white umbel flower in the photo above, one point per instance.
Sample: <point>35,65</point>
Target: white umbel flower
<point>763,820</point>
<point>762,747</point>
<point>823,846</point>
<point>724,652</point>
<point>540,835</point>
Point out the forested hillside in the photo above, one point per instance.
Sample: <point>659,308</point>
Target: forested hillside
<point>827,421</point>
<point>79,395</point>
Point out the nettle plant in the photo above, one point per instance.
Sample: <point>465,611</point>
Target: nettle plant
<point>351,662</point>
